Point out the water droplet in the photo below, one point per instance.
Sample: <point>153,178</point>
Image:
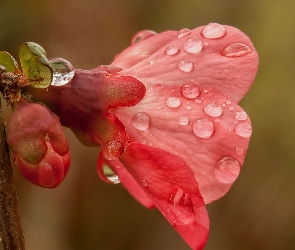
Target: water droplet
<point>141,35</point>
<point>193,45</point>
<point>217,120</point>
<point>244,130</point>
<point>151,63</point>
<point>213,110</point>
<point>205,44</point>
<point>107,175</point>
<point>206,91</point>
<point>213,31</point>
<point>203,128</point>
<point>171,50</point>
<point>236,50</point>
<point>227,170</point>
<point>240,151</point>
<point>183,120</point>
<point>228,102</point>
<point>241,116</point>
<point>141,121</point>
<point>190,91</point>
<point>231,108</point>
<point>60,79</point>
<point>173,102</point>
<point>198,101</point>
<point>177,197</point>
<point>185,66</point>
<point>144,183</point>
<point>188,108</point>
<point>183,32</point>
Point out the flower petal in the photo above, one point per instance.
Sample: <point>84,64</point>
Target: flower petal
<point>226,62</point>
<point>206,130</point>
<point>126,180</point>
<point>168,181</point>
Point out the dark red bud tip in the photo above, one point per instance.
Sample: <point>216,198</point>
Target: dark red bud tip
<point>38,144</point>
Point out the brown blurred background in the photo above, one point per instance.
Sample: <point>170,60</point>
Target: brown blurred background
<point>86,214</point>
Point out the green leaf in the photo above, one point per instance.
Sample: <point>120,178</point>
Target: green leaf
<point>7,61</point>
<point>35,64</point>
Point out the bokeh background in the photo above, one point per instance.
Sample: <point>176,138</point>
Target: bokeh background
<point>86,214</point>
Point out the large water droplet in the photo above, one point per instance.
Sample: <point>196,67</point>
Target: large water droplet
<point>244,130</point>
<point>60,79</point>
<point>185,66</point>
<point>190,91</point>
<point>141,35</point>
<point>193,45</point>
<point>173,102</point>
<point>171,50</point>
<point>213,110</point>
<point>203,128</point>
<point>183,32</point>
<point>236,50</point>
<point>240,151</point>
<point>183,120</point>
<point>141,121</point>
<point>107,175</point>
<point>241,116</point>
<point>213,31</point>
<point>227,170</point>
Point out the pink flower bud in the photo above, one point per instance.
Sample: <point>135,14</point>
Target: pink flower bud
<point>38,144</point>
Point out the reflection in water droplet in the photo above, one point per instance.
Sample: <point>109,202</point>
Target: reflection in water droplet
<point>240,151</point>
<point>227,170</point>
<point>60,79</point>
<point>190,91</point>
<point>141,35</point>
<point>236,50</point>
<point>213,110</point>
<point>213,31</point>
<point>173,102</point>
<point>141,121</point>
<point>244,130</point>
<point>193,45</point>
<point>241,116</point>
<point>171,50</point>
<point>203,128</point>
<point>183,120</point>
<point>185,66</point>
<point>107,175</point>
<point>183,32</point>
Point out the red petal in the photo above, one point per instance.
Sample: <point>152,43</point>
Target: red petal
<point>126,180</point>
<point>227,64</point>
<point>169,182</point>
<point>210,133</point>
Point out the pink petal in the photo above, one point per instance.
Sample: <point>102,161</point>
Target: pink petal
<point>168,181</point>
<point>227,64</point>
<point>207,131</point>
<point>126,180</point>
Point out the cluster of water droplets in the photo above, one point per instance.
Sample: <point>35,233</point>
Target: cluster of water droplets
<point>194,45</point>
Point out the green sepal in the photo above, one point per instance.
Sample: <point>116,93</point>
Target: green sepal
<point>36,66</point>
<point>7,61</point>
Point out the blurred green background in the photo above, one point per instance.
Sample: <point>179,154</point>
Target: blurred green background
<point>84,213</point>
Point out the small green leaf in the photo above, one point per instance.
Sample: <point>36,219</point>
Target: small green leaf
<point>7,61</point>
<point>35,64</point>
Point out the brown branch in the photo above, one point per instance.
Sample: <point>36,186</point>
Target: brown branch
<point>11,233</point>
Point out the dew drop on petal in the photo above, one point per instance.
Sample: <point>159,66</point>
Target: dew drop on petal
<point>213,31</point>
<point>144,183</point>
<point>244,130</point>
<point>173,102</point>
<point>241,116</point>
<point>213,110</point>
<point>60,79</point>
<point>185,66</point>
<point>141,35</point>
<point>183,120</point>
<point>203,128</point>
<point>171,50</point>
<point>231,108</point>
<point>236,50</point>
<point>107,175</point>
<point>190,91</point>
<point>228,102</point>
<point>240,151</point>
<point>183,32</point>
<point>141,121</point>
<point>227,170</point>
<point>193,45</point>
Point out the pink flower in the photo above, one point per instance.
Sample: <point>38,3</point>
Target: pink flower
<point>166,116</point>
<point>38,144</point>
